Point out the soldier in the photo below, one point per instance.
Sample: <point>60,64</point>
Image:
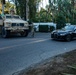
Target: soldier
<point>32,30</point>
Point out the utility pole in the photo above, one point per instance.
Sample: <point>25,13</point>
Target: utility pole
<point>3,3</point>
<point>2,9</point>
<point>27,10</point>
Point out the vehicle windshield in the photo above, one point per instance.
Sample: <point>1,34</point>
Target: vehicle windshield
<point>16,17</point>
<point>8,17</point>
<point>69,27</point>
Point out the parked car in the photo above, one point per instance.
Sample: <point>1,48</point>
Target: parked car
<point>67,33</point>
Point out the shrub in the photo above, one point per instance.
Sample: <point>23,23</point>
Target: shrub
<point>29,28</point>
<point>60,20</point>
<point>73,22</point>
<point>43,28</point>
<point>52,28</point>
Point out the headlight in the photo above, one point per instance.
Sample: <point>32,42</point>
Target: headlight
<point>52,32</point>
<point>26,24</point>
<point>8,24</point>
<point>63,34</point>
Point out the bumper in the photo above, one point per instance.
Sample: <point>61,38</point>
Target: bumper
<point>58,37</point>
<point>17,29</point>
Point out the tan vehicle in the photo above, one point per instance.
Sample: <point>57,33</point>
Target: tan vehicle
<point>1,21</point>
<point>1,24</point>
<point>14,24</point>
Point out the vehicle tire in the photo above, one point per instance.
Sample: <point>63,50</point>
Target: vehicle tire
<point>5,33</point>
<point>68,38</point>
<point>22,34</point>
<point>0,30</point>
<point>25,34</point>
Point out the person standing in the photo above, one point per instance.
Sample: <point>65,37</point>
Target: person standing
<point>32,30</point>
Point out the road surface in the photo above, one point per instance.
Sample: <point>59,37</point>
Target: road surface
<point>17,53</point>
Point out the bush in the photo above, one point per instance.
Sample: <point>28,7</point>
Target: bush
<point>29,28</point>
<point>61,21</point>
<point>52,28</point>
<point>73,22</point>
<point>43,28</point>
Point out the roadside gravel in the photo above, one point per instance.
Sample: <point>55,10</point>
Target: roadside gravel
<point>53,66</point>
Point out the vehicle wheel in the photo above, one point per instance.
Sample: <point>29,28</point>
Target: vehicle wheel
<point>25,33</point>
<point>68,38</point>
<point>5,33</point>
<point>22,34</point>
<point>0,30</point>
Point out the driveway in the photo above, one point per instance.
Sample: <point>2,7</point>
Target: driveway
<point>17,53</point>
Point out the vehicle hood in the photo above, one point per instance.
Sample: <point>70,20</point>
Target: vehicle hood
<point>15,21</point>
<point>62,31</point>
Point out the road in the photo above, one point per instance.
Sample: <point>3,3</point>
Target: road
<point>17,53</point>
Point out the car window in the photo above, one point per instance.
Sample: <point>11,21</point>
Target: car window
<point>75,28</point>
<point>69,27</point>
<point>16,17</point>
<point>8,17</point>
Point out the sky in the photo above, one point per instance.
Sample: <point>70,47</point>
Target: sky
<point>43,4</point>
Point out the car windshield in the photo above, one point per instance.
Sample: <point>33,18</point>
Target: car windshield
<point>8,17</point>
<point>69,27</point>
<point>16,17</point>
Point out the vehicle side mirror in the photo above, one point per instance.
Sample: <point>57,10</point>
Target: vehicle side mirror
<point>75,30</point>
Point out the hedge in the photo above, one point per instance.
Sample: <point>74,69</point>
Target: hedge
<point>52,28</point>
<point>43,28</point>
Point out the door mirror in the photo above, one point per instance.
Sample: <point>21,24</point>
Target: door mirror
<point>75,30</point>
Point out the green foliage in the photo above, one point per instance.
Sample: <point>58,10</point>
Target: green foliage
<point>21,8</point>
<point>8,6</point>
<point>72,70</point>
<point>60,20</point>
<point>66,7</point>
<point>67,74</point>
<point>30,28</point>
<point>32,9</point>
<point>43,16</point>
<point>52,28</point>
<point>73,22</point>
<point>43,28</point>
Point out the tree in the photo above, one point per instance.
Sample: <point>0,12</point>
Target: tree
<point>66,7</point>
<point>33,8</point>
<point>21,8</point>
<point>7,7</point>
<point>60,20</point>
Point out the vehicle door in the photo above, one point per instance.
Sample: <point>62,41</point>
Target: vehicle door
<point>74,32</point>
<point>1,21</point>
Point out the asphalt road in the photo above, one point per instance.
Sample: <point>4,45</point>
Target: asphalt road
<point>17,53</point>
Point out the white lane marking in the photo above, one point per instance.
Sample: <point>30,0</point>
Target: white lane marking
<point>38,41</point>
<point>8,47</point>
